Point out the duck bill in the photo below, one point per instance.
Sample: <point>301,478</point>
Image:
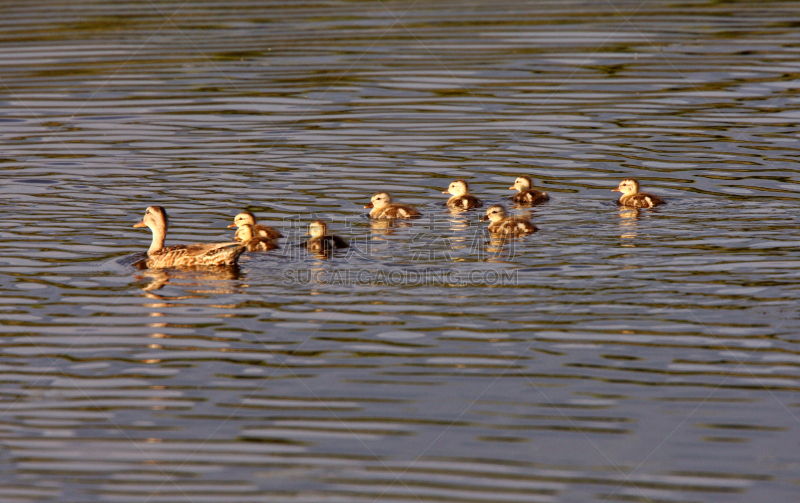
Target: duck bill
<point>445,192</point>
<point>512,188</point>
<point>484,218</point>
<point>140,224</point>
<point>370,205</point>
<point>231,226</point>
<point>615,190</point>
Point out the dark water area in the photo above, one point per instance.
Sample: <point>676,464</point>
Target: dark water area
<point>614,355</point>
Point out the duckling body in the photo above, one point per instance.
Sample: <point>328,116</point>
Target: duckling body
<point>382,207</point>
<point>198,254</point>
<point>527,195</point>
<point>321,241</point>
<point>462,199</point>
<point>263,231</point>
<point>246,234</point>
<point>501,223</point>
<point>633,198</point>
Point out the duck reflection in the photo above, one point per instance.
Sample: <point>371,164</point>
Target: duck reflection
<point>200,280</point>
<point>629,221</point>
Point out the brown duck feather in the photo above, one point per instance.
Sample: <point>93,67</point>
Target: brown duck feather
<point>465,202</point>
<point>530,197</point>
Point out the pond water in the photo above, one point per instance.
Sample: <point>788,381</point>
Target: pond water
<point>615,355</point>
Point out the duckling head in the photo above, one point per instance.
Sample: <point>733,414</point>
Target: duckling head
<point>495,213</point>
<point>522,183</point>
<point>242,218</point>
<point>379,200</point>
<point>317,229</point>
<point>457,188</point>
<point>155,217</point>
<point>628,186</point>
<point>245,232</point>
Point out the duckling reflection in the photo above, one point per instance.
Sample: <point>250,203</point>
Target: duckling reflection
<point>629,221</point>
<point>460,232</point>
<point>386,226</point>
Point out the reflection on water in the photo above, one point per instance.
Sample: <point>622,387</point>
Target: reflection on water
<point>629,220</point>
<point>614,355</point>
<point>199,280</point>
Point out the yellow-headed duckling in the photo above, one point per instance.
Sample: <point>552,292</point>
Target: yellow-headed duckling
<point>633,198</point>
<point>382,207</point>
<point>462,199</point>
<point>526,194</point>
<point>501,223</point>
<point>262,231</point>
<point>321,241</point>
<point>199,254</point>
<point>247,235</point>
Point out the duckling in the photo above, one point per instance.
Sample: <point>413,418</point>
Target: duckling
<point>382,207</point>
<point>461,199</point>
<point>526,194</point>
<point>632,197</point>
<point>247,235</point>
<point>504,224</point>
<point>262,231</point>
<point>155,217</point>
<point>321,241</point>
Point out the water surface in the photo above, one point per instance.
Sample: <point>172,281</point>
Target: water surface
<point>615,355</point>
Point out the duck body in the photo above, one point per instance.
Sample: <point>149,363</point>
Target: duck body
<point>260,244</point>
<point>506,225</point>
<point>527,195</point>
<point>195,255</point>
<point>530,197</point>
<point>246,234</point>
<point>632,198</point>
<point>263,231</point>
<point>321,241</point>
<point>462,199</point>
<point>198,254</point>
<point>466,202</point>
<point>382,207</point>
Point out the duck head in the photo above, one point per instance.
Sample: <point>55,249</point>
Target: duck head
<point>457,188</point>
<point>317,229</point>
<point>495,213</point>
<point>522,183</point>
<point>380,200</point>
<point>628,186</point>
<point>242,218</point>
